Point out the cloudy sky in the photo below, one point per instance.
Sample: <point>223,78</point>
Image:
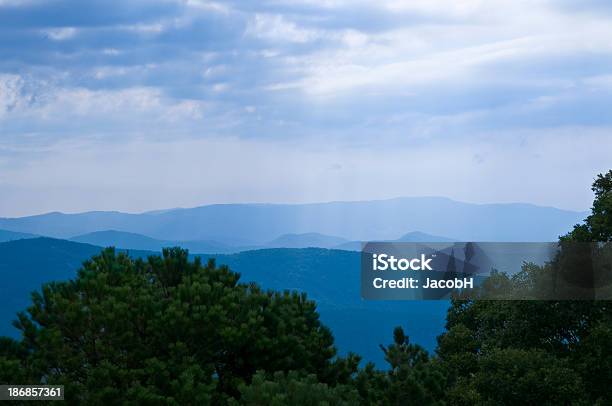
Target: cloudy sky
<point>140,105</point>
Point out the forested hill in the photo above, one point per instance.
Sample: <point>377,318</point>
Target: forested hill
<point>331,277</point>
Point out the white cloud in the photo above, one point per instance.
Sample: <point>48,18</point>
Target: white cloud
<point>276,27</point>
<point>111,51</point>
<point>209,6</point>
<point>482,38</point>
<point>149,28</point>
<point>10,89</point>
<point>23,101</point>
<point>220,87</point>
<point>215,70</point>
<point>438,8</point>
<point>60,34</point>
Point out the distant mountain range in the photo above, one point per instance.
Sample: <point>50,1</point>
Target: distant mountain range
<point>133,241</point>
<point>248,225</point>
<point>306,240</point>
<point>268,244</point>
<point>331,277</point>
<point>414,236</point>
<point>6,235</point>
<point>122,239</point>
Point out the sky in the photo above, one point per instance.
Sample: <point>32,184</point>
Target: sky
<point>143,105</point>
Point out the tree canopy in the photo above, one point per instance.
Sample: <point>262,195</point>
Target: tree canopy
<point>534,352</point>
<point>165,330</point>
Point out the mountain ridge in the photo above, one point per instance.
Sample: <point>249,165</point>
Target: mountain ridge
<point>256,224</point>
<point>329,276</point>
<point>7,235</point>
<point>128,240</point>
<point>165,211</point>
<point>305,240</point>
<point>131,241</point>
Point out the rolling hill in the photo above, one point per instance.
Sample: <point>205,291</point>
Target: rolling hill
<point>133,241</point>
<point>305,240</point>
<point>126,240</point>
<point>28,263</point>
<point>414,236</point>
<point>6,235</point>
<point>331,277</point>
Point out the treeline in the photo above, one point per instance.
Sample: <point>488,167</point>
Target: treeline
<point>169,331</point>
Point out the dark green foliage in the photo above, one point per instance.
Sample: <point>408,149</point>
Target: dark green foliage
<point>533,377</point>
<point>294,389</point>
<point>12,354</point>
<point>165,330</point>
<point>530,352</point>
<point>598,225</point>
<point>412,379</point>
<point>535,352</point>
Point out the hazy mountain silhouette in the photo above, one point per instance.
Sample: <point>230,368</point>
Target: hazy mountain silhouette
<point>306,240</point>
<point>256,224</point>
<point>417,236</point>
<point>414,236</point>
<point>126,240</point>
<point>6,235</point>
<point>134,241</point>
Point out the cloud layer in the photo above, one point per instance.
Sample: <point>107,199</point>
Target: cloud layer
<point>140,105</point>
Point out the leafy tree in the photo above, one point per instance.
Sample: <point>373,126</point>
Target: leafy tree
<point>11,355</point>
<point>166,331</point>
<point>293,389</point>
<point>598,225</point>
<point>535,352</point>
<point>514,376</point>
<point>412,378</point>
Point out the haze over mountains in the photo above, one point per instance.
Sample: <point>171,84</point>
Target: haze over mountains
<point>248,225</point>
<point>121,239</point>
<point>268,244</point>
<point>125,240</point>
<point>134,241</point>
